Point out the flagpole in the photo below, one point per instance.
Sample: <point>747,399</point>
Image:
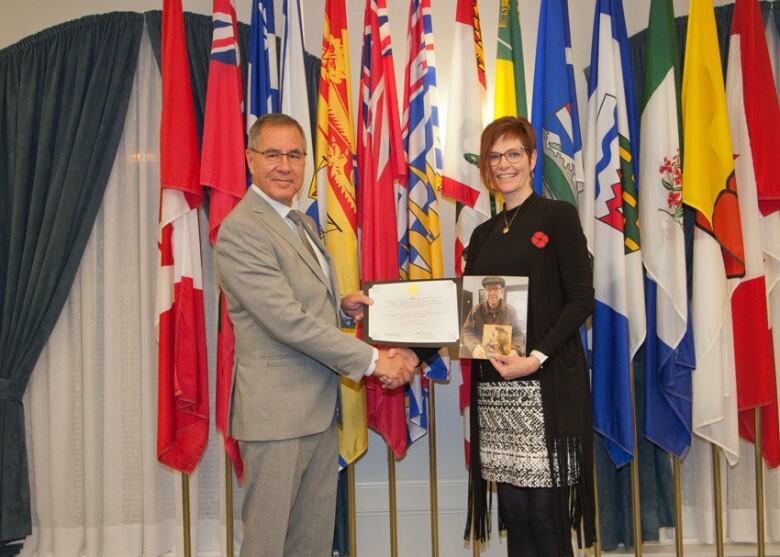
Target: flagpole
<point>759,488</point>
<point>352,515</point>
<point>228,505</point>
<point>597,541</point>
<point>678,531</point>
<point>716,492</point>
<point>433,477</point>
<point>185,504</point>
<point>391,484</point>
<point>475,545</point>
<point>637,519</point>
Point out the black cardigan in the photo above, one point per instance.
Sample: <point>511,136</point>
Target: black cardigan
<point>545,242</point>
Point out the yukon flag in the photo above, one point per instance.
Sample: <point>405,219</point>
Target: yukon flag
<point>709,187</point>
<point>295,100</point>
<point>262,82</point>
<point>754,119</point>
<point>461,180</point>
<point>610,171</point>
<point>224,170</point>
<point>420,242</point>
<point>669,355</point>
<point>558,173</point>
<point>510,70</point>
<point>182,392</point>
<point>381,170</point>
<point>335,170</point>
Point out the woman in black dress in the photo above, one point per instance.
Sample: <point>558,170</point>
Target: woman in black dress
<point>531,415</point>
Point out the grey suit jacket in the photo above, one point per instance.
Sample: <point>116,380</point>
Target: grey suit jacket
<point>285,313</point>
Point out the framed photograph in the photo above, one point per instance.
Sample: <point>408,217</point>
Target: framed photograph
<point>494,316</point>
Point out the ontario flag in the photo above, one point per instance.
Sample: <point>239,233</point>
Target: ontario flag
<point>381,171</point>
<point>709,187</point>
<point>223,169</point>
<point>334,157</point>
<point>461,180</point>
<point>182,393</point>
<point>754,119</point>
<point>420,251</point>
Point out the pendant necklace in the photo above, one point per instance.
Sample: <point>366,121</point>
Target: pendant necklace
<point>508,223</point>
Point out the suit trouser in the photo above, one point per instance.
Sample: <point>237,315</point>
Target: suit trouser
<point>290,495</point>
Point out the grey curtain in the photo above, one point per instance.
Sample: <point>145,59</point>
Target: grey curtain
<point>63,98</point>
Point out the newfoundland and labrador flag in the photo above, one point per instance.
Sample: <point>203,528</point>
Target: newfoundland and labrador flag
<point>182,392</point>
<point>611,168</point>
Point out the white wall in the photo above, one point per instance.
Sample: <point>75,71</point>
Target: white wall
<point>24,18</point>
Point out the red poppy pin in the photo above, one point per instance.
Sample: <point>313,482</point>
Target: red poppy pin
<point>539,239</point>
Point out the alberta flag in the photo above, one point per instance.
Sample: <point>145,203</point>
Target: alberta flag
<point>610,166</point>
<point>558,172</point>
<point>669,355</point>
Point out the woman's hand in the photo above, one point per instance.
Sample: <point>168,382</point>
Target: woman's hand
<point>512,367</point>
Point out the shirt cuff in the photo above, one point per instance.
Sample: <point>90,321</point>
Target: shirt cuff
<point>539,356</point>
<point>372,367</point>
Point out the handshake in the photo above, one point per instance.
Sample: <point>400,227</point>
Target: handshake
<point>395,367</point>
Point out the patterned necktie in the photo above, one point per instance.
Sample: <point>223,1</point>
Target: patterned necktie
<point>297,219</point>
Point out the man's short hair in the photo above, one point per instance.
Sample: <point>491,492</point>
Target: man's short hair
<point>273,119</point>
<point>493,281</point>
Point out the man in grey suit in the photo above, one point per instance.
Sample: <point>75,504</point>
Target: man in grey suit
<point>282,295</point>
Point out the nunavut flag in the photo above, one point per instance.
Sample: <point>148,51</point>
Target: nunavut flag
<point>224,170</point>
<point>334,160</point>
<point>754,117</point>
<point>182,392</point>
<point>709,186</point>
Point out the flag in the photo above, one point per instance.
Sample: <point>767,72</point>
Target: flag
<point>461,180</point>
<point>773,44</point>
<point>460,175</point>
<point>754,119</point>
<point>381,171</point>
<point>182,393</point>
<point>262,87</point>
<point>709,187</point>
<point>669,355</point>
<point>295,100</point>
<point>420,255</point>
<point>335,169</point>
<point>558,173</point>
<point>610,171</point>
<point>510,71</point>
<point>224,170</point>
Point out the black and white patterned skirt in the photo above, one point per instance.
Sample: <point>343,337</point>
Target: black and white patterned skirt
<point>512,446</point>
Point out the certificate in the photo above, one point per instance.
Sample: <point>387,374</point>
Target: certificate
<point>413,313</point>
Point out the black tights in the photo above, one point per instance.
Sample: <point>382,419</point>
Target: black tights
<point>529,516</point>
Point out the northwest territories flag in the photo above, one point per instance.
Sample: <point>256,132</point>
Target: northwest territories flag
<point>610,166</point>
<point>421,252</point>
<point>262,88</point>
<point>558,172</point>
<point>669,356</point>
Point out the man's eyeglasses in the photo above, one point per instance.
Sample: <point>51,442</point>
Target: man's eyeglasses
<point>513,156</point>
<point>272,156</point>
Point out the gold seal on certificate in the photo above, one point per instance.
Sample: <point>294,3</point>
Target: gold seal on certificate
<point>413,313</point>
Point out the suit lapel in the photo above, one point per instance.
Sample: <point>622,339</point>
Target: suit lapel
<point>277,225</point>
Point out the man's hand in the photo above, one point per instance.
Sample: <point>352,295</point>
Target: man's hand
<point>354,304</point>
<point>409,358</point>
<point>479,352</point>
<point>393,371</point>
<point>512,367</point>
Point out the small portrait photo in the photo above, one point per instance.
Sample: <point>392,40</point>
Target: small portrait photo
<point>497,339</point>
<point>494,316</point>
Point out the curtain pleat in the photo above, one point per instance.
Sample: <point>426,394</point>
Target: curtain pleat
<point>63,98</point>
